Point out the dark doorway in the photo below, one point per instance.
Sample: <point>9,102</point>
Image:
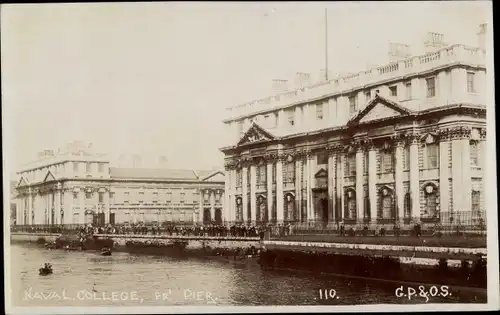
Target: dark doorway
<point>324,210</point>
<point>206,216</point>
<point>112,218</point>
<point>218,216</point>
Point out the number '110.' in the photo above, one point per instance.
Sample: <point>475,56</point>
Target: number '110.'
<point>325,294</point>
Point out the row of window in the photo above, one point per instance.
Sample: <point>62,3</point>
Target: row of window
<point>387,163</point>
<point>271,120</point>
<point>88,167</point>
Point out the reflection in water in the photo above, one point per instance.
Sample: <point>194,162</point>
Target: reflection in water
<point>87,279</point>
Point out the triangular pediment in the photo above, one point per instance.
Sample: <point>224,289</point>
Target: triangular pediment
<point>379,108</point>
<point>255,134</point>
<point>215,177</point>
<point>321,173</point>
<point>22,182</point>
<point>49,177</point>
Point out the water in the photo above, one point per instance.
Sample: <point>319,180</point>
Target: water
<point>87,279</point>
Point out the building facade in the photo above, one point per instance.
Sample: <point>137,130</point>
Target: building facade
<point>75,186</point>
<point>402,142</point>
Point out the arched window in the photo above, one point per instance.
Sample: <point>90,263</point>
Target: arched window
<point>350,203</point>
<point>431,201</point>
<point>386,205</point>
<point>350,166</point>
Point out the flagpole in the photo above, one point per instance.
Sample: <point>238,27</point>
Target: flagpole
<point>326,44</point>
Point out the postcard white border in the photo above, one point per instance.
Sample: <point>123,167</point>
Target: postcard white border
<point>492,239</point>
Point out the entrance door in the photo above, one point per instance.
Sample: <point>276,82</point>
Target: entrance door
<point>218,216</point>
<point>324,210</point>
<point>112,218</point>
<point>206,216</point>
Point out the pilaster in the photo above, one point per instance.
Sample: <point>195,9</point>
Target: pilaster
<point>414,176</point>
<point>331,184</point>
<point>227,194</point>
<point>244,192</point>
<point>253,190</point>
<point>398,178</point>
<point>57,204</point>
<point>372,180</point>
<point>298,189</point>
<point>279,190</point>
<point>212,205</point>
<point>310,214</point>
<point>444,174</point>
<point>340,156</point>
<point>359,183</point>
<point>269,186</point>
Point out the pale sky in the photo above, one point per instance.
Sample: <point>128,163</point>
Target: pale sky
<point>155,78</point>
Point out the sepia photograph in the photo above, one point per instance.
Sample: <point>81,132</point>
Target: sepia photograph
<point>222,157</point>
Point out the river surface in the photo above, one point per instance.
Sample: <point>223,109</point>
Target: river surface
<point>88,279</point>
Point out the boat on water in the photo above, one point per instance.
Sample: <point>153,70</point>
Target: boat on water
<point>105,252</point>
<point>45,270</point>
<point>153,248</point>
<point>50,245</point>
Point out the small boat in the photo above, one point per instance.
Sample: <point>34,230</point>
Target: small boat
<point>45,270</point>
<point>105,252</point>
<point>50,245</point>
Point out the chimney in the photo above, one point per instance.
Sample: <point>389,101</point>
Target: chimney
<point>433,41</point>
<point>302,79</point>
<point>398,51</point>
<point>280,86</point>
<point>481,36</point>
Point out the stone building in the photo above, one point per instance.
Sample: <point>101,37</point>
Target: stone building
<point>75,186</point>
<point>399,142</point>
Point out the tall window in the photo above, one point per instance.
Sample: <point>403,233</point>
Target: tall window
<point>319,111</point>
<point>291,117</point>
<point>387,161</point>
<point>239,178</point>
<point>75,197</point>
<point>126,196</point>
<point>407,205</point>
<point>75,167</point>
<point>368,95</point>
<point>88,167</point>
<point>267,120</point>
<point>351,205</point>
<point>274,173</point>
<point>262,175</point>
<point>431,86</point>
<point>350,169</point>
<point>290,172</point>
<point>141,197</point>
<point>476,203</point>
<point>432,155</point>
<point>100,167</point>
<point>365,162</point>
<point>101,197</point>
<point>406,158</point>
<point>88,195</point>
<point>470,82</point>
<point>353,106</point>
<point>240,127</point>
<point>182,197</point>
<point>169,197</point>
<point>322,158</point>
<point>474,153</point>
<point>430,209</point>
<point>408,91</point>
<point>394,90</point>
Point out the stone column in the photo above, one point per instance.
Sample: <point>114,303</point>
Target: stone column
<point>244,193</point>
<point>444,175</point>
<point>298,189</point>
<point>456,172</point>
<point>212,205</point>
<point>57,205</point>
<point>30,207</point>
<point>81,212</point>
<point>227,194</point>
<point>269,178</point>
<point>279,191</point>
<point>359,184</point>
<point>398,178</point>
<point>201,197</point>
<point>310,209</point>
<point>372,181</point>
<point>331,186</point>
<point>253,190</point>
<point>466,172</point>
<point>107,206</point>
<point>232,207</point>
<point>340,184</point>
<point>414,178</point>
